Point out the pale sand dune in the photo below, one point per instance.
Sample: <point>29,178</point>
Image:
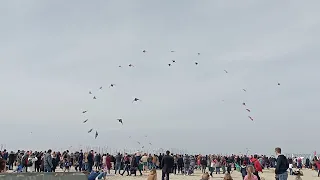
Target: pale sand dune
<point>267,175</point>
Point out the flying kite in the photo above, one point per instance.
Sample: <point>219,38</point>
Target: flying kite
<point>225,71</point>
<point>84,112</point>
<point>130,65</point>
<point>111,85</point>
<point>96,135</point>
<point>198,54</point>
<point>94,97</point>
<point>90,131</point>
<point>244,90</point>
<point>169,64</point>
<point>173,61</point>
<point>144,51</point>
<point>278,84</point>
<point>244,104</point>
<point>135,99</point>
<point>250,118</point>
<point>85,120</point>
<point>196,63</point>
<point>120,121</point>
<point>248,110</point>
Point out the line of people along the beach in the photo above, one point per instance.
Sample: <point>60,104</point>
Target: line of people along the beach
<point>130,164</point>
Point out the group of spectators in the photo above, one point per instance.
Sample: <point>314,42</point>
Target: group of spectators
<point>48,161</point>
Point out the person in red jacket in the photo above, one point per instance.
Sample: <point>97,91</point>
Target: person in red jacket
<point>318,166</point>
<point>257,166</point>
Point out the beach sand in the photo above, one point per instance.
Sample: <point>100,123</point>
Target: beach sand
<point>267,175</point>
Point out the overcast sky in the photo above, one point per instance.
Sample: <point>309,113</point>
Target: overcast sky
<point>52,53</point>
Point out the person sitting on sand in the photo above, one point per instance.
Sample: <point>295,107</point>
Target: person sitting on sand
<point>152,175</point>
<point>205,176</point>
<point>250,175</point>
<point>227,176</point>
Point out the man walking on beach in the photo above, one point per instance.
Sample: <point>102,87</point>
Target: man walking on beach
<point>282,165</point>
<point>47,164</point>
<point>167,165</point>
<point>90,160</point>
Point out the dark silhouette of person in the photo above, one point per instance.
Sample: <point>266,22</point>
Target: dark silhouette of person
<point>167,163</point>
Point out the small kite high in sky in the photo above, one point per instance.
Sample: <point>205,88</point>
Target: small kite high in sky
<point>278,84</point>
<point>169,64</point>
<point>96,135</point>
<point>173,61</point>
<point>172,51</point>
<point>130,65</point>
<point>248,110</point>
<point>100,88</point>
<point>84,112</point>
<point>136,99</point>
<point>250,118</point>
<point>111,85</point>
<point>244,90</point>
<point>144,51</point>
<point>244,104</point>
<point>120,121</point>
<point>94,97</point>
<point>85,120</point>
<point>196,63</point>
<point>90,130</point>
<point>225,71</point>
<point>90,92</point>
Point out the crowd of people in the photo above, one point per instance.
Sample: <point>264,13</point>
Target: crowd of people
<point>130,164</point>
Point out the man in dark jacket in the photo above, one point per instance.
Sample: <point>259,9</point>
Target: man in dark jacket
<point>11,160</point>
<point>80,160</point>
<point>167,165</point>
<point>90,160</point>
<point>282,165</point>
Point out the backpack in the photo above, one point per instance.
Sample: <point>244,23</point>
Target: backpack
<point>24,160</point>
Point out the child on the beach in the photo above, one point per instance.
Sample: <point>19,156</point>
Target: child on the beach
<point>205,176</point>
<point>250,175</point>
<point>243,169</point>
<point>152,175</point>
<point>66,166</point>
<point>227,176</point>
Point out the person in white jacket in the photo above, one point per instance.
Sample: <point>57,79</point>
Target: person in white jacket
<point>33,159</point>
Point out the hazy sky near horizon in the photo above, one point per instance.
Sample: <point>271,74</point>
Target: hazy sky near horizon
<point>52,53</point>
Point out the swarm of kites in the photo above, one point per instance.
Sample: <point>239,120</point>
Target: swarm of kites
<point>135,100</point>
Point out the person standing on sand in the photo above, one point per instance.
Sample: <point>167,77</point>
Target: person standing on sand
<point>250,173</point>
<point>282,165</point>
<point>118,160</point>
<point>167,165</point>
<point>186,164</point>
<point>256,165</point>
<point>80,160</point>
<point>90,160</point>
<point>48,161</point>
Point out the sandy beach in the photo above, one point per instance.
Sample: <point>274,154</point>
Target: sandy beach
<point>267,175</point>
